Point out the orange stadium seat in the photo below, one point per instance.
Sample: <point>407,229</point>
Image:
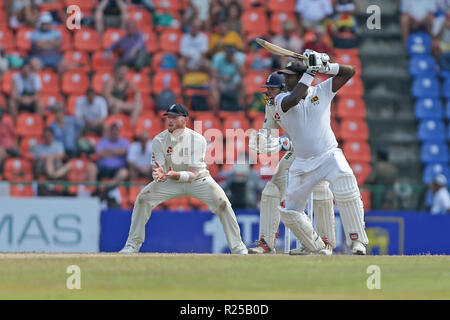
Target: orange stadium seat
<point>17,190</point>
<point>99,79</point>
<point>50,81</point>
<point>141,81</point>
<point>7,40</point>
<point>351,107</point>
<point>366,198</point>
<point>170,40</point>
<point>111,36</point>
<point>208,121</point>
<point>7,81</point>
<point>87,5</point>
<point>237,122</point>
<point>361,170</point>
<point>49,99</point>
<point>354,129</point>
<point>354,87</point>
<point>78,59</point>
<point>281,5</point>
<point>66,37</point>
<point>17,170</point>
<point>356,151</point>
<point>72,103</point>
<point>27,144</point>
<point>86,39</point>
<point>348,56</point>
<point>101,63</point>
<point>51,6</point>
<point>278,18</point>
<point>166,80</point>
<point>254,21</point>
<point>253,82</point>
<point>258,120</point>
<point>189,93</point>
<point>141,16</point>
<point>124,123</point>
<point>2,101</point>
<point>75,82</point>
<point>151,41</point>
<point>150,123</point>
<point>78,173</point>
<point>29,125</point>
<point>23,38</point>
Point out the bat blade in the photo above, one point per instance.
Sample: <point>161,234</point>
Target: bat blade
<point>279,50</point>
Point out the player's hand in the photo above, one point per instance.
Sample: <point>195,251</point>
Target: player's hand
<point>317,62</point>
<point>158,173</point>
<point>171,174</point>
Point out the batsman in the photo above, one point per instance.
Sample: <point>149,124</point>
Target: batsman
<point>266,141</point>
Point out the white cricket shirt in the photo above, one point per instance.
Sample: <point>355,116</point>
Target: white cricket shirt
<point>309,122</point>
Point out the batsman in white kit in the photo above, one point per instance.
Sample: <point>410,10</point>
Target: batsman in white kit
<point>266,141</point>
<point>179,170</point>
<point>305,113</point>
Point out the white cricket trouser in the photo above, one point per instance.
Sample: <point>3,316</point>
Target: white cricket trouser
<point>335,169</point>
<point>205,189</point>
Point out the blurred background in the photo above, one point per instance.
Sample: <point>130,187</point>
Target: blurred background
<point>82,93</point>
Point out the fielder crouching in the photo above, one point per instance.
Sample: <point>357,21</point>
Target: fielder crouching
<point>179,170</point>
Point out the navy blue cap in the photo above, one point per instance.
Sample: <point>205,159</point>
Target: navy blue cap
<point>274,80</point>
<point>177,109</point>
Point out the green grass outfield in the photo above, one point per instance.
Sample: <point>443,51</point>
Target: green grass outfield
<point>227,277</point>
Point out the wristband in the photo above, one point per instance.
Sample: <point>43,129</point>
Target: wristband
<point>334,69</point>
<point>184,176</point>
<point>306,79</point>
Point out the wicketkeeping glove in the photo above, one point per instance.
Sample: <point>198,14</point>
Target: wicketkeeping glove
<point>262,142</point>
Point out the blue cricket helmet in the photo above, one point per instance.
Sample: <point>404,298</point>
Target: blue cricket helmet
<point>274,80</point>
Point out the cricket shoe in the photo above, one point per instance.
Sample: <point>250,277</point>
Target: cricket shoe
<point>130,248</point>
<point>261,247</point>
<point>327,250</point>
<point>358,248</point>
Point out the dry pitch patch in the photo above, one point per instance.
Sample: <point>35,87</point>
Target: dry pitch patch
<point>221,276</point>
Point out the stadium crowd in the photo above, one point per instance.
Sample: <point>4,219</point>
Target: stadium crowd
<point>82,105</point>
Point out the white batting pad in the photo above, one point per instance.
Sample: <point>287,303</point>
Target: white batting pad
<point>269,214</point>
<point>324,212</point>
<point>348,199</point>
<point>301,226</point>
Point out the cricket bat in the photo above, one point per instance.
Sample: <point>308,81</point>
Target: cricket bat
<point>278,50</point>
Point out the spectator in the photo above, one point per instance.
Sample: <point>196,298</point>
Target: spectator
<point>312,13</point>
<point>4,64</point>
<point>48,155</point>
<point>227,88</point>
<point>22,12</point>
<point>110,13</point>
<point>344,28</point>
<point>111,151</point>
<point>385,175</point>
<point>115,90</point>
<point>441,43</point>
<point>287,39</point>
<point>416,15</point>
<point>193,49</point>
<point>224,37</point>
<point>234,12</point>
<point>139,157</point>
<point>46,45</point>
<point>8,139</point>
<point>320,41</point>
<point>441,197</point>
<point>92,109</point>
<point>66,129</point>
<point>131,47</point>
<point>26,92</point>
<point>198,10</point>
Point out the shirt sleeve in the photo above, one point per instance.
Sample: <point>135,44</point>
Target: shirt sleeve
<point>158,154</point>
<point>325,90</point>
<point>279,98</point>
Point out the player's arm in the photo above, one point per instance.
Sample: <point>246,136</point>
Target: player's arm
<point>344,74</point>
<point>183,176</point>
<point>299,92</point>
